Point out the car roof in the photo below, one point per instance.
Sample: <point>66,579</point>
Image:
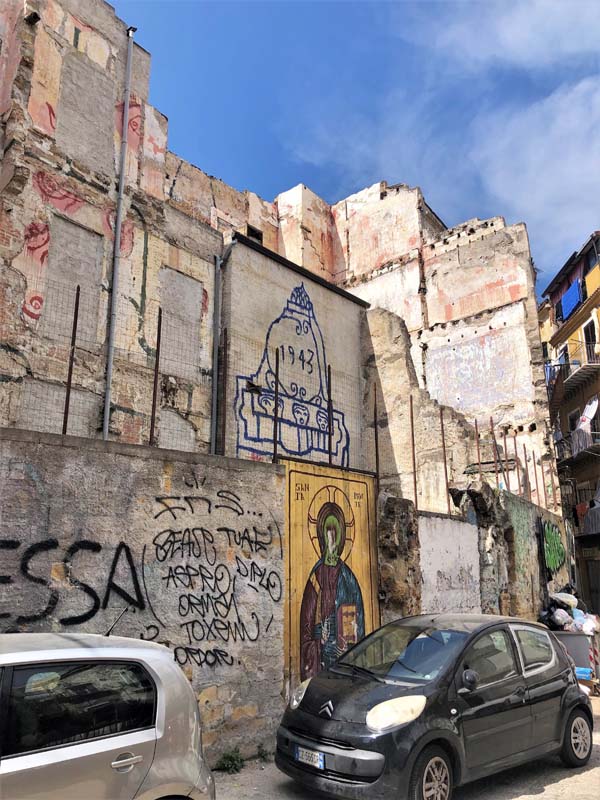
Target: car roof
<point>17,646</point>
<point>467,622</point>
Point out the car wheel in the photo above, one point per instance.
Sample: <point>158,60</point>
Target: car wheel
<point>577,744</point>
<point>431,777</point>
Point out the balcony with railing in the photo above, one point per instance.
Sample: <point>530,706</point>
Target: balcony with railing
<point>580,365</point>
<point>579,443</point>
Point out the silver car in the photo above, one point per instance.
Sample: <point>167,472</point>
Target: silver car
<point>86,717</point>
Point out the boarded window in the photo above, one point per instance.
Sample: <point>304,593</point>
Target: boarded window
<point>181,299</point>
<point>86,114</point>
<point>75,257</point>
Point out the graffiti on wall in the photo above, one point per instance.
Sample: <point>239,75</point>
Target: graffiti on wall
<point>332,568</point>
<point>205,578</point>
<point>554,550</point>
<point>303,420</point>
<point>212,572</point>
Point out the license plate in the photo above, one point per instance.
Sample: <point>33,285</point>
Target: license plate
<point>310,757</point>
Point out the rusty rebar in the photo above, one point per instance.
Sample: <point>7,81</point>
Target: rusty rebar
<point>156,377</point>
<point>537,485</point>
<point>71,361</point>
<point>528,482</point>
<point>517,463</point>
<point>444,454</point>
<point>507,477</point>
<point>544,483</point>
<point>494,450</point>
<point>478,451</point>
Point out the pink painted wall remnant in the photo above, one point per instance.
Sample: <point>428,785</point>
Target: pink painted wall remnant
<point>53,191</point>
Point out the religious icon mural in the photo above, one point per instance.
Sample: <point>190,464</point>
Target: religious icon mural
<point>332,564</point>
<point>332,616</point>
<point>302,399</point>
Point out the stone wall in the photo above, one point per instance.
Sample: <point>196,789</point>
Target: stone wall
<point>195,547</point>
<point>449,550</point>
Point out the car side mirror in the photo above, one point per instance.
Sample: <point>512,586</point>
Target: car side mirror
<point>470,680</point>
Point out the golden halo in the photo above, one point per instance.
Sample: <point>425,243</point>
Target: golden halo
<point>331,494</point>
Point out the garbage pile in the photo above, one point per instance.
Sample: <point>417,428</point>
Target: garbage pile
<point>565,612</point>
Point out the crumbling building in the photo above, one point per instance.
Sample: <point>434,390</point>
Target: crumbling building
<point>363,338</point>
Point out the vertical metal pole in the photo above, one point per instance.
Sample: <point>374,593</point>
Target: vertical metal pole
<point>553,486</point>
<point>527,483</point>
<point>156,377</point>
<point>224,379</point>
<point>414,456</point>
<point>329,415</point>
<point>215,356</point>
<point>276,410</point>
<point>71,360</point>
<point>114,290</point>
<point>537,486</point>
<point>544,483</point>
<point>517,463</point>
<point>376,429</point>
<point>478,451</point>
<point>506,460</point>
<point>444,454</point>
<point>494,449</point>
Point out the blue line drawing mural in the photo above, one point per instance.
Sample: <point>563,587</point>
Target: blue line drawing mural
<point>303,429</point>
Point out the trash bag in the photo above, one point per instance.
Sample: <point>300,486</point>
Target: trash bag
<point>565,599</point>
<point>561,617</point>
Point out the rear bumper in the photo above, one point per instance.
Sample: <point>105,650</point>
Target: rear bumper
<point>205,785</point>
<point>349,772</point>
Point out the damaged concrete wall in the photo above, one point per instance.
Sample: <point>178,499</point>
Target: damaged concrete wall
<point>449,551</point>
<point>63,119</point>
<point>194,546</point>
<point>389,367</point>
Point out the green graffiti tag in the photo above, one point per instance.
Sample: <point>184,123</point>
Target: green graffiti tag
<point>554,548</point>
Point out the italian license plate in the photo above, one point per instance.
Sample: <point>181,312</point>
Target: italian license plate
<point>310,757</point>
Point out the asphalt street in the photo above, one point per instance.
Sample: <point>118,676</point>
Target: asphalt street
<point>546,779</point>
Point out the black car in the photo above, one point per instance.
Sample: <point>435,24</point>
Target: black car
<point>427,703</point>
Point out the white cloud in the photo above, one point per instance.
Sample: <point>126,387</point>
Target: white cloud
<point>542,165</point>
<point>522,33</point>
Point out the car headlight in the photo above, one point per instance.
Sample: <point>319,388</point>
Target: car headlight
<point>395,712</point>
<point>298,694</point>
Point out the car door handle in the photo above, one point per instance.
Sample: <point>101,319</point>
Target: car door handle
<point>126,762</point>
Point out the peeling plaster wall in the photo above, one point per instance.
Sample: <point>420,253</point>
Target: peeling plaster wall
<point>57,214</point>
<point>194,546</point>
<point>449,552</point>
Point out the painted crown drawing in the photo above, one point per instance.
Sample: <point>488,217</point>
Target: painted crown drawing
<point>302,401</point>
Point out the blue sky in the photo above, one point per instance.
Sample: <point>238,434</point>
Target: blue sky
<point>491,107</point>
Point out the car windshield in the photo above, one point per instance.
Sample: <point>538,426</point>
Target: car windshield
<point>415,653</point>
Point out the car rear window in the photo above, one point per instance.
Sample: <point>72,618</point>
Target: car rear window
<point>536,647</point>
<point>58,704</point>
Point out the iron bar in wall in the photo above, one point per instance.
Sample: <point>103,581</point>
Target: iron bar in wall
<point>495,455</point>
<point>444,455</point>
<point>414,455</point>
<point>156,378</point>
<point>276,410</point>
<point>478,452</point>
<point>517,463</point>
<point>71,360</point>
